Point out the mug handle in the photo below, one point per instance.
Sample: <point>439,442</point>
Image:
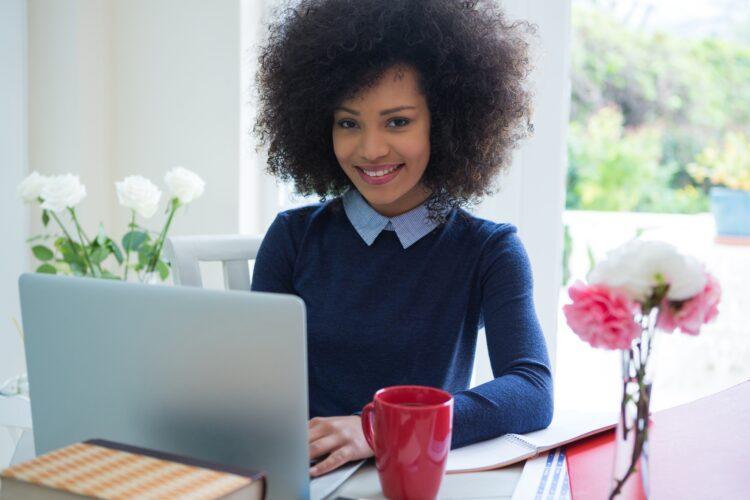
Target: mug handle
<point>368,414</point>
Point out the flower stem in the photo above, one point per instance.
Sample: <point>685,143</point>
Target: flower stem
<point>67,235</point>
<point>127,250</point>
<point>638,358</point>
<point>84,243</point>
<point>162,236</point>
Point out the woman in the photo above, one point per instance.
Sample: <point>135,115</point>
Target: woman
<point>397,114</point>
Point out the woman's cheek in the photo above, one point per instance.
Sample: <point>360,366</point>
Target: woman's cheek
<point>342,149</point>
<point>416,152</point>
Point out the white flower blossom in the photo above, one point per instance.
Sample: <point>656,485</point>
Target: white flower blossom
<point>184,184</point>
<point>30,188</point>
<point>61,192</point>
<point>140,194</point>
<point>638,266</point>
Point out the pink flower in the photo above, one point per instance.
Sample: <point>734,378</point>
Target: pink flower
<point>691,314</point>
<point>602,316</point>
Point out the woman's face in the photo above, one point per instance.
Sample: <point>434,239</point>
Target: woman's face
<point>381,138</point>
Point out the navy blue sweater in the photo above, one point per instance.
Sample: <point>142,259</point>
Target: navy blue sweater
<point>383,315</point>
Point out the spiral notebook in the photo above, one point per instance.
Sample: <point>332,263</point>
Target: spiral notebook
<point>566,427</point>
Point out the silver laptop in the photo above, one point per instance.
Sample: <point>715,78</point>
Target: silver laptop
<point>216,375</point>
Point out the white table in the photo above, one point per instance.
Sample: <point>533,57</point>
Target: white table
<point>15,413</point>
<point>489,485</point>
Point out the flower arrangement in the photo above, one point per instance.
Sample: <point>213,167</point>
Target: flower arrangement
<point>638,288</point>
<point>72,252</point>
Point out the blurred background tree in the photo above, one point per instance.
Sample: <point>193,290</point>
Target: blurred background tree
<point>647,99</point>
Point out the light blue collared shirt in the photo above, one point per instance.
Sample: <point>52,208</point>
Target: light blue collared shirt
<point>410,227</point>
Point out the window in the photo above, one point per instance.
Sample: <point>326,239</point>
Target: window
<point>660,102</point>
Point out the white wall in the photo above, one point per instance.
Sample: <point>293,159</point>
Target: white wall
<point>135,87</point>
<point>115,88</point>
<point>13,168</point>
<point>258,203</point>
<point>70,100</point>
<point>124,87</point>
<point>532,196</point>
<point>177,101</point>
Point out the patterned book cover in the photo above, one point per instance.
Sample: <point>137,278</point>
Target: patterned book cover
<point>106,470</point>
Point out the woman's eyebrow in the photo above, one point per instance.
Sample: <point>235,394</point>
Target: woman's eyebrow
<point>384,112</point>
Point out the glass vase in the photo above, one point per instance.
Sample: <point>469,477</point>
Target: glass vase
<point>630,476</point>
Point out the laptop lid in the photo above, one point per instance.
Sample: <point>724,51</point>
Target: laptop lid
<point>216,375</point>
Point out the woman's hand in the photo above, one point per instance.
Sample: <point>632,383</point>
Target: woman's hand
<point>339,437</point>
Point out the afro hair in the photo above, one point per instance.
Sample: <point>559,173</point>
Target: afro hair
<point>472,65</point>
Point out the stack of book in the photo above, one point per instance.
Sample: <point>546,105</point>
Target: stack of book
<point>107,470</point>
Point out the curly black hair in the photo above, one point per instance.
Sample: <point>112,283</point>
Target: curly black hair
<point>472,65</point>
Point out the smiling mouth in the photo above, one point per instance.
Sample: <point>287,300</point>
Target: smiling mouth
<point>380,172</point>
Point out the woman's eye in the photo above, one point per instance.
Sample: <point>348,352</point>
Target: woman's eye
<point>346,124</point>
<point>398,122</point>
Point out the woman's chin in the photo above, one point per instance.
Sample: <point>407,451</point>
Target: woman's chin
<point>379,199</point>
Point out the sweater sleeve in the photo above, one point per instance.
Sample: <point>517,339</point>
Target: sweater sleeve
<point>520,398</point>
<point>274,264</point>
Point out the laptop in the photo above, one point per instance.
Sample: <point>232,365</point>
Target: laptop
<point>215,375</point>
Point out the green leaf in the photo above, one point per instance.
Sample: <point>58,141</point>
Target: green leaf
<point>39,237</point>
<point>133,240</point>
<point>108,275</point>
<point>590,255</point>
<point>99,254</point>
<point>63,267</point>
<point>101,237</point>
<point>144,253</point>
<point>77,269</point>
<point>42,253</point>
<point>45,217</point>
<point>115,250</point>
<point>46,269</point>
<point>163,269</point>
<point>70,256</point>
<point>71,253</point>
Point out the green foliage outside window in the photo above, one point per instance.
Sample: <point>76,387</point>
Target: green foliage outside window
<point>644,107</point>
<point>726,164</point>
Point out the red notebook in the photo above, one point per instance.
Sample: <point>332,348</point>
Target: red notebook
<point>590,466</point>
<point>698,450</point>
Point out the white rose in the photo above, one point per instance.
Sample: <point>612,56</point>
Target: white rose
<point>30,188</point>
<point>61,192</point>
<point>184,184</point>
<point>638,266</point>
<point>140,194</point>
<point>686,277</point>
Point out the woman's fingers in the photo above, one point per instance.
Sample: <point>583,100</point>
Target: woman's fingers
<point>317,428</point>
<point>325,445</point>
<point>339,437</point>
<point>336,459</point>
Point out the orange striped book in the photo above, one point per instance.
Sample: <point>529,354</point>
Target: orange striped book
<point>107,470</point>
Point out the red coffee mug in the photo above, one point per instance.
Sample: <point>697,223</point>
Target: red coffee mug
<point>411,438</point>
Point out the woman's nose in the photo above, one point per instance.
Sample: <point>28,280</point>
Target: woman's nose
<point>373,146</point>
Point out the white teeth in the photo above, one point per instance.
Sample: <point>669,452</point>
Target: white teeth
<point>380,173</point>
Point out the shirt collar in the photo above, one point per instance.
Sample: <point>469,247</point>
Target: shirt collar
<point>410,227</point>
